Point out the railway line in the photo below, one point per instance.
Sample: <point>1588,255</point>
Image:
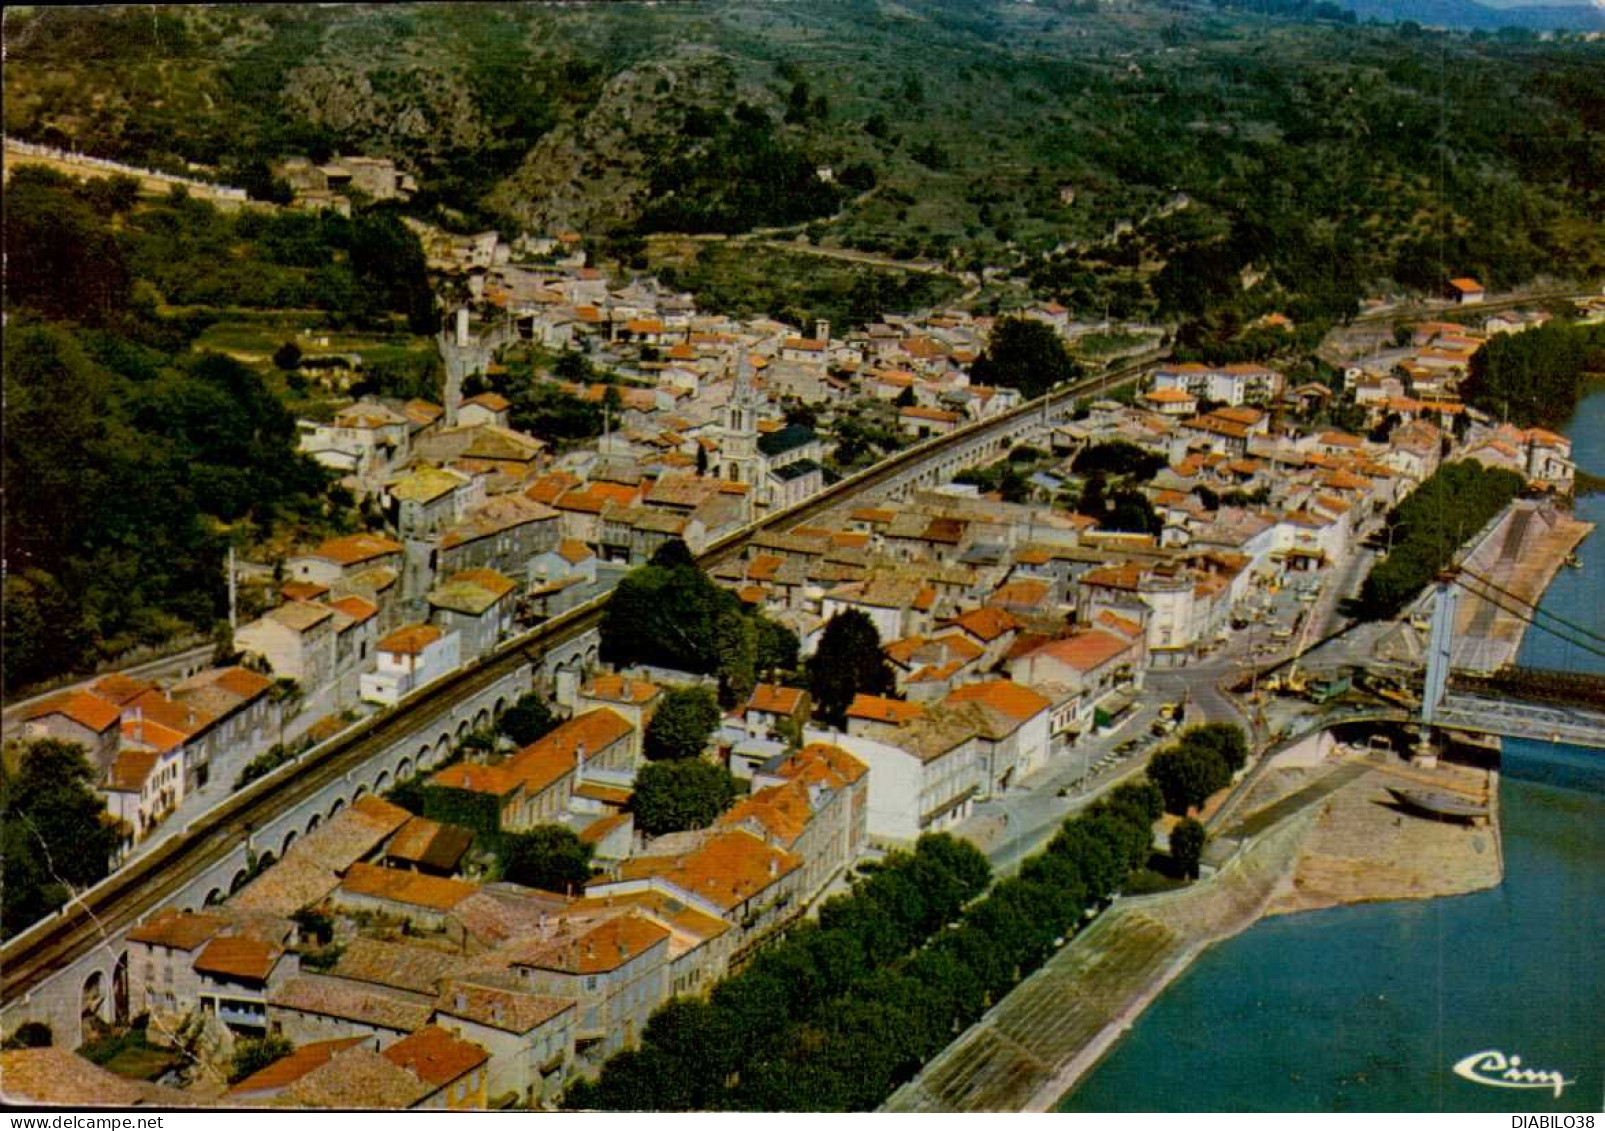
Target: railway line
<point>97,916</point>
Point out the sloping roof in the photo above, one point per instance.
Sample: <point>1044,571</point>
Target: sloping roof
<point>363,1003</point>
<point>82,707</point>
<point>1002,695</point>
<point>820,762</point>
<point>283,1073</point>
<point>986,623</point>
<point>417,969</point>
<point>547,759</point>
<point>1085,651</point>
<point>422,841</point>
<point>180,930</point>
<point>781,811</point>
<point>354,548</point>
<point>505,1008</point>
<point>774,699</point>
<point>357,1078</point>
<point>412,888</point>
<point>409,640</point>
<point>727,870</point>
<point>603,948</point>
<point>620,688</point>
<point>435,1056</point>
<point>236,956</point>
<point>471,591</point>
<point>877,708</point>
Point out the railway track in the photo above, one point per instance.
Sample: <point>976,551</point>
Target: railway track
<point>96,916</point>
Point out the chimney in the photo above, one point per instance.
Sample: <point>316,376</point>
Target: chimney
<point>626,691</point>
<point>774,867</point>
<point>579,756</point>
<point>462,1001</point>
<point>624,950</point>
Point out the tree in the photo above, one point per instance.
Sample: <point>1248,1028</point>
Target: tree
<point>1026,355</point>
<point>1187,846</point>
<point>287,356</point>
<point>675,796</point>
<point>682,724</point>
<point>672,555</point>
<point>527,720</point>
<point>777,647</point>
<point>250,1057</point>
<point>54,797</point>
<point>548,857</point>
<point>848,661</point>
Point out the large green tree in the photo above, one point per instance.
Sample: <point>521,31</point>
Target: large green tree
<point>1187,846</point>
<point>528,719</point>
<point>674,796</point>
<point>57,835</point>
<point>1027,355</point>
<point>682,724</point>
<point>549,857</point>
<point>848,661</point>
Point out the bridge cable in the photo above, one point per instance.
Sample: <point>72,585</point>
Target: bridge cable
<point>1527,618</point>
<point>1572,625</point>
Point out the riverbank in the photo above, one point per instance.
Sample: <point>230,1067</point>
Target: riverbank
<point>1314,836</point>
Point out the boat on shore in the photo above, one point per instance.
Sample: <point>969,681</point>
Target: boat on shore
<point>1440,806</point>
<point>1574,560</point>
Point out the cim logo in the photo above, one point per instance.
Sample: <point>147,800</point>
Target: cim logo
<point>1497,1070</point>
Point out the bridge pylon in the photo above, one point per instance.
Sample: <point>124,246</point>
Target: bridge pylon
<point>1440,647</point>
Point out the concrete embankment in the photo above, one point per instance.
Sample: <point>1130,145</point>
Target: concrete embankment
<point>1032,1047</point>
<point>1316,835</point>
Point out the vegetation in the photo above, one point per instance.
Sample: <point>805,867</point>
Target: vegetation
<point>1535,377</point>
<point>56,837</point>
<point>682,724</point>
<point>1004,478</point>
<point>673,796</point>
<point>676,617</point>
<point>1027,355</point>
<point>549,857</point>
<point>1262,158</point>
<point>1118,457</point>
<point>1187,846</point>
<point>144,460</point>
<point>848,661</point>
<point>527,720</point>
<point>1200,763</point>
<point>844,1010</point>
<point>250,1057</point>
<point>1428,527</point>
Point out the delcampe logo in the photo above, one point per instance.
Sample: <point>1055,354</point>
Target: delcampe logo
<point>1497,1070</point>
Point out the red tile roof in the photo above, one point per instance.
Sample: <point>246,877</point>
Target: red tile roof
<point>435,1056</point>
<point>773,699</point>
<point>82,707</point>
<point>283,1073</point>
<point>235,956</point>
<point>876,708</point>
<point>410,640</point>
<point>1002,695</point>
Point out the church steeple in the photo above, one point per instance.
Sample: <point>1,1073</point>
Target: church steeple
<point>739,445</point>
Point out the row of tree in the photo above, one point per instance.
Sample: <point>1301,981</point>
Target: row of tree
<point>844,1010</point>
<point>1427,528</point>
<point>1200,762</point>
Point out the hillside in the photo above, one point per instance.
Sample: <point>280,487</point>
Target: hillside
<point>1086,144</point>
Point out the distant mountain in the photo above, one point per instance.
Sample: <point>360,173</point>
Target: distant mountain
<point>1470,15</point>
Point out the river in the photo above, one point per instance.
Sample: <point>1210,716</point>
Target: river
<point>1369,1008</point>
